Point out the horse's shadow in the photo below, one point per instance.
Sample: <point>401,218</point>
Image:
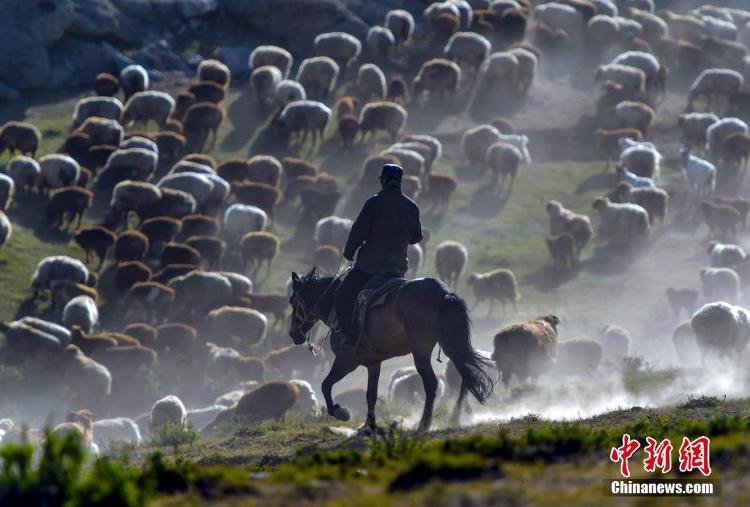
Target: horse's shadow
<point>487,202</point>
<point>548,277</point>
<point>599,181</point>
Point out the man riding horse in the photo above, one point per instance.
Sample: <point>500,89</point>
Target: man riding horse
<point>386,226</point>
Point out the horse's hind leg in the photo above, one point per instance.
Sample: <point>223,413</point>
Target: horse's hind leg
<point>456,415</point>
<point>339,369</point>
<point>424,368</point>
<point>373,376</point>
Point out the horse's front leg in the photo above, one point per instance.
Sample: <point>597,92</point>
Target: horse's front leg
<point>373,376</point>
<point>424,368</point>
<point>339,369</point>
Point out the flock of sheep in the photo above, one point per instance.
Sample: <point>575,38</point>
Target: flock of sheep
<point>180,238</point>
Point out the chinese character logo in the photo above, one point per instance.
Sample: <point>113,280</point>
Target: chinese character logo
<point>694,455</point>
<point>658,455</point>
<point>623,453</point>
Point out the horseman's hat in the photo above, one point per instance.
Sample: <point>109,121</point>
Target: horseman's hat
<point>392,171</point>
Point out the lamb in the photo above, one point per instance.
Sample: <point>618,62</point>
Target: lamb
<point>578,357</point>
<point>725,255</point>
<point>438,77</point>
<point>68,203</point>
<point>244,324</point>
<point>288,91</point>
<point>265,80</point>
<point>101,107</point>
<point>615,342</point>
<point>387,116</point>
<point>694,127</point>
<point>201,121</point>
<point>166,412</point>
<point>257,248</point>
<point>215,71</point>
<point>637,115</point>
<point>370,82</point>
<point>499,285</point>
<point>450,259</point>
<point>303,116</point>
<point>318,75</point>
<point>58,267</point>
<point>131,246</point>
<point>102,132</point>
<point>148,106</point>
<point>713,84</point>
<point>630,78</point>
<point>718,132</point>
<point>89,380</point>
<point>6,228</point>
<point>721,219</point>
<point>700,174</point>
<point>25,172</point>
<point>58,171</point>
<point>562,250</point>
<point>469,50</point>
<point>654,200</point>
<point>271,55</point>
<point>401,25</point>
<point>340,47</point>
<point>720,284</point>
<point>106,85</point>
<point>116,430</point>
<point>19,136</point>
<point>380,42</point>
<point>721,328</point>
<point>527,350</point>
<point>332,231</point>
<point>622,222</point>
<point>81,311</point>
<point>682,299</point>
<point>563,220</point>
<point>133,79</point>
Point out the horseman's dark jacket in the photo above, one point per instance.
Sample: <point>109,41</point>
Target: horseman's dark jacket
<point>386,226</point>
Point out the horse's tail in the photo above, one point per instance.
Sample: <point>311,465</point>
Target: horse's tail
<point>455,338</point>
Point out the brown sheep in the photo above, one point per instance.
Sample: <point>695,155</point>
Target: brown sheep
<point>736,149</point>
<point>612,94</point>
<point>654,200</point>
<point>80,423</point>
<point>106,85</point>
<point>160,229</point>
<point>129,273</point>
<point>497,285</point>
<point>95,239</point>
<point>89,381</point>
<point>298,186</point>
<point>741,204</point>
<point>411,186</point>
<point>259,247</point>
<point>176,337</point>
<point>233,170</point>
<point>207,91</point>
<point>440,188</point>
<point>503,125</point>
<point>579,357</point>
<point>198,225</point>
<point>269,401</point>
<point>130,246</point>
<point>397,91</point>
<point>179,253</point>
<point>720,218</point>
<point>67,205</point>
<point>682,299</point>
<point>563,220</point>
<point>292,362</point>
<point>211,249</point>
<point>170,145</point>
<point>200,158</point>
<point>124,362</point>
<point>19,136</point>
<point>201,121</point>
<point>348,129</point>
<point>347,105</point>
<point>77,146</point>
<point>328,258</point>
<point>90,345</point>
<point>608,142</point>
<point>264,169</point>
<point>97,156</point>
<point>271,304</point>
<point>142,332</point>
<point>172,125</point>
<point>171,271</point>
<point>151,299</point>
<point>562,250</point>
<point>527,350</point>
<point>450,259</point>
<point>295,167</point>
<point>63,291</point>
<point>262,195</point>
<point>182,104</point>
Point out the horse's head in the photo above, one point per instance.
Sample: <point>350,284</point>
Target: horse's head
<point>303,301</point>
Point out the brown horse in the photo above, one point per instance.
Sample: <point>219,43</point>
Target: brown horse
<point>413,320</point>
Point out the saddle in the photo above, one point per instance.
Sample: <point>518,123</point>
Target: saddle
<point>373,294</point>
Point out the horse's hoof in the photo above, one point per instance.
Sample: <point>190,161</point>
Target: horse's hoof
<point>340,413</point>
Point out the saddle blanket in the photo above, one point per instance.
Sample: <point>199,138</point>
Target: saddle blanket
<point>374,294</point>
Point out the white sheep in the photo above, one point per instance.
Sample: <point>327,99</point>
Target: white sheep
<point>102,131</point>
<point>468,49</point>
<point>148,106</point>
<point>694,127</point>
<point>271,55</point>
<point>199,418</point>
<point>25,172</point>
<point>218,196</point>
<point>605,7</point>
<point>721,328</point>
<point>58,171</point>
<point>559,16</point>
<point>239,219</point>
<point>303,116</point>
<point>643,61</point>
<point>58,267</point>
<point>700,174</point>
<point>415,258</point>
<point>641,160</point>
<point>197,185</point>
<point>101,107</point>
<point>519,141</point>
<point>341,47</point>
<point>241,285</point>
<point>615,342</point>
<point>333,231</point>
<point>713,84</point>
<point>434,143</point>
<point>502,69</point>
<point>622,222</point>
<point>527,66</point>
<point>200,290</point>
<point>59,332</point>
<point>81,311</point>
<point>188,166</point>
<point>264,81</point>
<point>116,430</point>
<point>426,151</point>
<point>370,82</point>
<point>720,284</point>
<point>602,31</point>
<point>247,325</point>
<point>719,131</point>
<point>7,190</point>
<point>140,142</point>
<point>477,140</point>
<point>318,76</point>
<point>137,196</point>
<point>168,411</point>
<point>214,71</point>
<point>401,24</point>
<point>628,77</point>
<point>631,114</point>
<point>133,79</point>
<point>412,161</point>
<point>380,42</point>
<point>307,400</point>
<point>288,91</point>
<point>136,164</point>
<point>719,28</point>
<point>450,259</point>
<point>6,228</point>
<point>725,255</point>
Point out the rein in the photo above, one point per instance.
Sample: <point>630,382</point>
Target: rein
<point>310,318</point>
